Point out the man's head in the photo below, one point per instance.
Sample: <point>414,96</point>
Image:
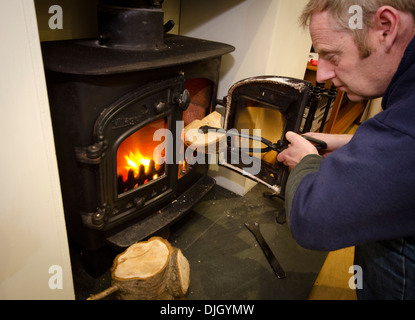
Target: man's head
<point>360,61</point>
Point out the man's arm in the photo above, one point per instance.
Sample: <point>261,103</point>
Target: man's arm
<point>334,141</point>
<point>309,164</point>
<point>303,159</point>
<point>349,199</point>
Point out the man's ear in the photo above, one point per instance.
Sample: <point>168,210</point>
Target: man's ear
<point>386,24</point>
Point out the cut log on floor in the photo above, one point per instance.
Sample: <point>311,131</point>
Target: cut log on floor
<point>150,270</point>
<point>209,142</point>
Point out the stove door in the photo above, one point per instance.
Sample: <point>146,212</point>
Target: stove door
<point>265,107</point>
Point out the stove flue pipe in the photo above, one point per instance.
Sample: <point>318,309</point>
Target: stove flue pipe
<point>131,24</point>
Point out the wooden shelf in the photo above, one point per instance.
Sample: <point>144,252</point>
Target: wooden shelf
<point>311,67</point>
<point>347,115</point>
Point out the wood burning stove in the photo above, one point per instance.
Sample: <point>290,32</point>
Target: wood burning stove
<point>110,98</point>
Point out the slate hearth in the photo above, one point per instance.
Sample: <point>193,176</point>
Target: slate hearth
<point>226,262</point>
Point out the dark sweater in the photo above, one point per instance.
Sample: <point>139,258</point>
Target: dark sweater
<point>365,191</point>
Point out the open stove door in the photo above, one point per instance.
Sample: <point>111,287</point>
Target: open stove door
<point>264,107</point>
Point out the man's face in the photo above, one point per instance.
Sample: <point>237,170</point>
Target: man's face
<point>340,60</point>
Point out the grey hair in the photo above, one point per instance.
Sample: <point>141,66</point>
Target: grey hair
<point>339,9</point>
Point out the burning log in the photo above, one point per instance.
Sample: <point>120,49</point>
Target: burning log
<point>141,178</point>
<point>133,181</point>
<point>150,270</point>
<point>200,141</point>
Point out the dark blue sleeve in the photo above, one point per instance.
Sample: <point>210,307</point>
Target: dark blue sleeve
<point>363,192</point>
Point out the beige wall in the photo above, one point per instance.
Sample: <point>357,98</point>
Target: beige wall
<point>32,227</point>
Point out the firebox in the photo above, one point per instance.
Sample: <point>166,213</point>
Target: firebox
<point>118,106</point>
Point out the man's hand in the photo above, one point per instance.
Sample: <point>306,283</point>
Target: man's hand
<point>297,150</point>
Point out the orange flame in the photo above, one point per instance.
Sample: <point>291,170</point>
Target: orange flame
<point>135,160</point>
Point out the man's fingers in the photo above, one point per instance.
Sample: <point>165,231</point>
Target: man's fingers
<point>291,136</point>
<point>295,138</point>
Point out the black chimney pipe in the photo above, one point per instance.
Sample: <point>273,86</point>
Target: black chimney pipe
<point>131,24</point>
<point>133,3</point>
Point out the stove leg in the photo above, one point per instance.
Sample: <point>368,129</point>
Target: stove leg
<point>281,217</point>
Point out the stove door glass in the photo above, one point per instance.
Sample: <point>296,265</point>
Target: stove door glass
<point>140,159</point>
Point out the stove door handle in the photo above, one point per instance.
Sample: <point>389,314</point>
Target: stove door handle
<point>183,100</point>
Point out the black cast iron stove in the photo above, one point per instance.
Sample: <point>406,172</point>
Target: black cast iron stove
<point>110,97</point>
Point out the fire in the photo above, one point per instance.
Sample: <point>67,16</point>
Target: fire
<point>135,160</point>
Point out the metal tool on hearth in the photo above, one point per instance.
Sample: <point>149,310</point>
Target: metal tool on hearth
<point>272,260</point>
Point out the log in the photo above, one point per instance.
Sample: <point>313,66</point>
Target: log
<point>206,143</point>
<point>150,270</point>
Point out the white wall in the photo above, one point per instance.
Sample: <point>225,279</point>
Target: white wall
<point>268,41</point>
<point>32,227</point>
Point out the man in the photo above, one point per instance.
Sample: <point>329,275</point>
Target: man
<point>362,191</point>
